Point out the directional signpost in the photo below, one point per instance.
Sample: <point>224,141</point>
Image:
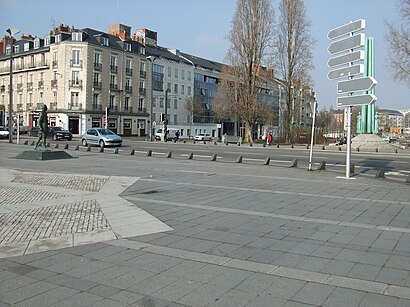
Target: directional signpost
<point>345,64</point>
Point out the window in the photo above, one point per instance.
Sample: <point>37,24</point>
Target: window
<point>97,58</point>
<point>176,88</point>
<point>176,73</point>
<point>113,63</point>
<point>55,97</point>
<point>47,40</point>
<point>161,102</point>
<point>128,83</point>
<point>30,99</point>
<point>8,50</point>
<point>41,98</point>
<point>41,76</point>
<point>112,80</point>
<point>182,89</point>
<point>31,61</point>
<point>169,86</point>
<point>143,66</point>
<point>74,98</point>
<point>76,57</point>
<point>169,72</point>
<point>175,103</point>
<point>77,36</point>
<point>55,57</point>
<point>58,38</point>
<point>112,101</point>
<point>189,76</point>
<point>154,102</point>
<point>36,43</point>
<point>183,74</point>
<point>140,104</point>
<point>127,47</point>
<point>96,100</point>
<point>26,46</point>
<point>16,49</point>
<point>75,77</point>
<point>105,41</point>
<point>126,103</point>
<point>128,63</point>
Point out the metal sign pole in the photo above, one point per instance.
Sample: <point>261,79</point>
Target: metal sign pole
<point>312,136</point>
<point>348,141</point>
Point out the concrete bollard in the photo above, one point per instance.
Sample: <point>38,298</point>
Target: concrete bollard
<point>66,146</point>
<point>322,166</point>
<point>267,161</point>
<point>215,143</point>
<point>307,146</point>
<point>408,179</point>
<point>48,144</point>
<point>149,153</point>
<point>56,145</point>
<point>191,156</point>
<point>32,143</point>
<point>323,147</point>
<point>89,148</point>
<point>377,149</point>
<point>204,142</point>
<point>340,148</point>
<point>116,151</point>
<point>77,147</point>
<point>26,142</point>
<point>351,168</point>
<point>184,142</point>
<point>380,173</point>
<point>250,144</point>
<point>169,154</point>
<point>396,150</point>
<point>194,142</point>
<point>358,149</point>
<point>294,163</point>
<point>239,144</point>
<point>264,145</point>
<point>292,146</point>
<point>277,146</point>
<point>132,152</point>
<point>213,157</point>
<point>239,160</point>
<point>102,149</point>
<point>226,143</point>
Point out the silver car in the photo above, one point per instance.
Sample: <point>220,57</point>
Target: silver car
<point>203,137</point>
<point>4,133</point>
<point>101,137</point>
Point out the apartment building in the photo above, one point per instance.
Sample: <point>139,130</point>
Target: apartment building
<point>78,73</point>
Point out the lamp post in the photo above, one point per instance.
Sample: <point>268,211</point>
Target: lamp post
<point>166,114</point>
<point>151,59</point>
<point>12,32</point>
<point>313,133</point>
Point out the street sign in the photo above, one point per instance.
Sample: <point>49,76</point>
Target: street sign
<point>359,84</point>
<point>356,100</point>
<point>346,72</point>
<point>352,42</point>
<point>346,58</point>
<point>353,26</point>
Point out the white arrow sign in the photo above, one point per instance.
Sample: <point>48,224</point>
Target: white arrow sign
<point>352,42</point>
<point>354,26</point>
<point>346,72</point>
<point>360,84</point>
<point>346,58</point>
<point>356,100</point>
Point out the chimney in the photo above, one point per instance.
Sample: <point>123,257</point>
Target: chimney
<point>120,30</point>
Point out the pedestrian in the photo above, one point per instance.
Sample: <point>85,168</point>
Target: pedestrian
<point>270,138</point>
<point>177,135</point>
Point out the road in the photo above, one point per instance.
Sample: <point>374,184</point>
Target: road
<point>395,164</point>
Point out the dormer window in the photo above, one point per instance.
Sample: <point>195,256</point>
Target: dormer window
<point>8,49</point>
<point>47,40</point>
<point>127,47</point>
<point>58,38</point>
<point>36,43</point>
<point>77,36</point>
<point>16,49</point>
<point>105,41</point>
<point>26,46</point>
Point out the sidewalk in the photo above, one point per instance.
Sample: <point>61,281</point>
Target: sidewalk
<point>117,230</point>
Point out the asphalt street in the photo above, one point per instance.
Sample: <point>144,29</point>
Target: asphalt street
<point>106,229</point>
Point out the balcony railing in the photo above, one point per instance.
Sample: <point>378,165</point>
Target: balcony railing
<point>20,87</point>
<point>142,110</point>
<point>128,88</point>
<point>113,87</point>
<point>128,110</point>
<point>97,107</point>
<point>3,88</point>
<point>128,71</point>
<point>29,85</point>
<point>114,68</point>
<point>142,90</point>
<point>97,66</point>
<point>54,83</point>
<point>54,64</point>
<point>20,107</point>
<point>143,74</point>
<point>40,84</point>
<point>76,63</point>
<point>75,106</point>
<point>76,83</point>
<point>97,85</point>
<point>53,105</point>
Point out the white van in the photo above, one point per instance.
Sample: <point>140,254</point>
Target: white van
<point>171,135</point>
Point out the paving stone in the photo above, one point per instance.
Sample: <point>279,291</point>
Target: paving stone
<point>344,297</point>
<point>284,288</point>
<point>364,271</point>
<point>372,299</point>
<point>313,293</point>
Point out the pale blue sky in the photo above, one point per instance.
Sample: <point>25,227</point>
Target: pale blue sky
<point>200,28</point>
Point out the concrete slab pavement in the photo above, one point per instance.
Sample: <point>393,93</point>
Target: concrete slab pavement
<point>139,231</point>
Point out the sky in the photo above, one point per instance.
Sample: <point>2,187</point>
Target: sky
<point>201,27</point>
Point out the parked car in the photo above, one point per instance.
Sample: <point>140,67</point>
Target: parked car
<point>22,129</point>
<point>60,133</point>
<point>101,137</point>
<point>203,137</point>
<point>33,131</point>
<point>4,133</point>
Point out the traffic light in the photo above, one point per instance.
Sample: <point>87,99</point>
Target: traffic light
<point>107,110</point>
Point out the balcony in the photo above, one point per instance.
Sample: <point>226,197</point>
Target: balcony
<point>54,83</point>
<point>97,85</point>
<point>19,107</point>
<point>40,84</point>
<point>128,71</point>
<point>143,74</point>
<point>128,110</point>
<point>97,107</point>
<point>98,66</point>
<point>54,64</point>
<point>75,83</point>
<point>75,106</point>
<point>53,106</point>
<point>20,87</point>
<point>128,88</point>
<point>3,88</point>
<point>114,68</point>
<point>142,90</point>
<point>113,87</point>
<point>76,63</point>
<point>30,86</point>
<point>142,110</point>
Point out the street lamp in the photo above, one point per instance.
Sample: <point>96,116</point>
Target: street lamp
<point>151,59</point>
<point>166,114</point>
<point>313,133</point>
<point>12,32</point>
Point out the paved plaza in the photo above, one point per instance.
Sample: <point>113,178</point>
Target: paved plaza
<point>108,229</point>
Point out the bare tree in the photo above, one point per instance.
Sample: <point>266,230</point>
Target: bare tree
<point>250,37</point>
<point>194,108</point>
<point>398,39</point>
<point>292,55</point>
